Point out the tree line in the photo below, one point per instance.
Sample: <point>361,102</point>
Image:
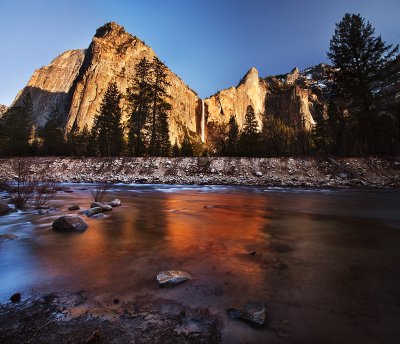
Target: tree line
<point>360,114</point>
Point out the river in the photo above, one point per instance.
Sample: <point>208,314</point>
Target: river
<point>324,261</point>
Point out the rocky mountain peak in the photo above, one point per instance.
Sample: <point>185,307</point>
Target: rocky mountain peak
<point>251,77</point>
<point>292,76</point>
<point>109,29</point>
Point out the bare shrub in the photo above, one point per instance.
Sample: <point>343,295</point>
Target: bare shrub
<point>23,191</point>
<point>99,191</point>
<point>44,192</point>
<point>29,190</point>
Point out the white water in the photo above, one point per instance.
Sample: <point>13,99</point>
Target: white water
<point>203,122</point>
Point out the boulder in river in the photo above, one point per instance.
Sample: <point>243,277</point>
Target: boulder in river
<point>69,223</point>
<point>115,203</point>
<point>172,277</point>
<point>74,207</point>
<point>4,208</point>
<point>92,211</point>
<point>254,312</point>
<point>8,236</point>
<point>103,206</point>
<point>98,216</point>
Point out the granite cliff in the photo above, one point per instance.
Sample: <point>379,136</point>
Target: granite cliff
<point>76,80</point>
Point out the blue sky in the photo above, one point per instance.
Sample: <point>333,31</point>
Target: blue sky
<point>209,44</point>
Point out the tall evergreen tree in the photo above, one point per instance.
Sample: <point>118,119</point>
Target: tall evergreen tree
<point>52,134</point>
<point>140,98</point>
<point>163,142</point>
<point>187,147</point>
<point>233,137</point>
<point>17,128</point>
<point>359,59</point>
<point>250,136</point>
<point>107,126</point>
<point>160,105</point>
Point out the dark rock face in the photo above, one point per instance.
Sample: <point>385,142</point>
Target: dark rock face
<point>69,223</point>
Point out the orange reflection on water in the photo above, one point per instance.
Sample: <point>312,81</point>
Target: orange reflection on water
<point>217,230</point>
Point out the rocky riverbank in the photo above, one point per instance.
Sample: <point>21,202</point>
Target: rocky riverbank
<point>69,318</point>
<point>291,172</point>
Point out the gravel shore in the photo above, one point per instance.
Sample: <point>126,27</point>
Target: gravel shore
<point>289,172</point>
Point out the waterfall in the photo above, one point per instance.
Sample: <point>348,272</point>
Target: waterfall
<point>203,123</point>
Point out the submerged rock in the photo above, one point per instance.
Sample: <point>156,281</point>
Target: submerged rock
<point>92,211</point>
<point>8,236</point>
<point>4,208</point>
<point>254,312</point>
<point>69,223</point>
<point>115,203</point>
<point>103,206</point>
<point>74,207</point>
<point>172,277</point>
<point>98,216</point>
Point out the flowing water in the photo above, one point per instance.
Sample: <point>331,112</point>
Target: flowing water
<point>325,261</point>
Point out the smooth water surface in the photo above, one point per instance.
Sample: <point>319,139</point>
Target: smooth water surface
<point>324,260</point>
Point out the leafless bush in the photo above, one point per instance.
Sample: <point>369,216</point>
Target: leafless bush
<point>23,191</point>
<point>44,192</point>
<point>27,189</point>
<point>99,191</point>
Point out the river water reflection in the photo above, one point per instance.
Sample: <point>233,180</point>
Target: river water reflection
<point>322,257</point>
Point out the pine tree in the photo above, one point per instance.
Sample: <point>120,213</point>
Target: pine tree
<point>163,142</point>
<point>250,136</point>
<point>160,106</point>
<point>359,59</point>
<point>17,127</point>
<point>233,137</point>
<point>52,133</point>
<point>176,150</point>
<point>107,127</point>
<point>140,99</point>
<point>187,147</point>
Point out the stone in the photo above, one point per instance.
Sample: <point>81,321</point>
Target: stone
<point>69,223</point>
<point>91,211</point>
<point>15,298</point>
<point>254,312</point>
<point>258,174</point>
<point>8,236</point>
<point>115,202</point>
<point>4,208</point>
<point>43,211</point>
<point>172,277</point>
<point>103,206</point>
<point>74,207</point>
<point>98,216</point>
